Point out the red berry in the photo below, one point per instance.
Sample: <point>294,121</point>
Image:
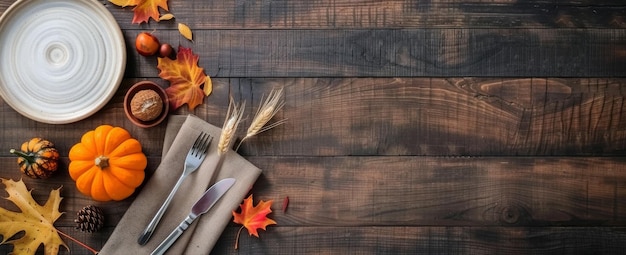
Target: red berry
<point>146,44</point>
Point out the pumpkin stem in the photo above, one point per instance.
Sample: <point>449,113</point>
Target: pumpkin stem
<point>30,157</point>
<point>102,162</point>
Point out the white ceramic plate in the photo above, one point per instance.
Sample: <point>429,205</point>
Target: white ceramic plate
<point>60,60</point>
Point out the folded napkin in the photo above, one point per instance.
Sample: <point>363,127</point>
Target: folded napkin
<point>201,236</point>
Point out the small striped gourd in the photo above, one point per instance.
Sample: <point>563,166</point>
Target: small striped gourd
<point>37,158</point>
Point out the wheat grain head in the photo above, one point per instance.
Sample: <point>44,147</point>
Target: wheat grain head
<point>233,117</point>
<point>272,104</point>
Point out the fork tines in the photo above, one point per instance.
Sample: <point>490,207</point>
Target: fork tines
<point>201,145</point>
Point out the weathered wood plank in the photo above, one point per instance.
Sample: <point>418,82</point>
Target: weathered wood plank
<point>391,116</point>
<point>398,53</point>
<point>328,14</point>
<point>401,240</point>
<point>427,191</point>
<point>481,199</point>
<point>417,116</point>
<point>425,240</point>
<point>410,191</point>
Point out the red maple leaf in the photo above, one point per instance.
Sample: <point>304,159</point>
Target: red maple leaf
<point>144,9</point>
<point>186,79</point>
<point>253,217</point>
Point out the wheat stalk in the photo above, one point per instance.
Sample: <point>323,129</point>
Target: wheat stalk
<point>233,117</point>
<point>266,111</point>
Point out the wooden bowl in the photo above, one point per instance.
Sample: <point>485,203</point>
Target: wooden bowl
<point>143,85</point>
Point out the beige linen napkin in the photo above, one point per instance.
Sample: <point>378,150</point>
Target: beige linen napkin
<point>201,236</point>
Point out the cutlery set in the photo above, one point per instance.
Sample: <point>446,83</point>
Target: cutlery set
<point>194,158</point>
<point>201,206</point>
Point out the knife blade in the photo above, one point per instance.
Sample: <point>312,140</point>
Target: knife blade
<point>208,199</point>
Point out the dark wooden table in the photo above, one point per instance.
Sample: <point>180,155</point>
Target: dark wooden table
<point>413,127</point>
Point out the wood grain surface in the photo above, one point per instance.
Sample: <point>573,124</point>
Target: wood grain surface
<point>412,127</point>
<point>410,52</point>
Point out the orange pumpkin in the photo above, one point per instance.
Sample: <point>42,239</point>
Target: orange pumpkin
<point>107,164</point>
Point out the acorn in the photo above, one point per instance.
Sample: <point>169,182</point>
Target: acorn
<point>89,219</point>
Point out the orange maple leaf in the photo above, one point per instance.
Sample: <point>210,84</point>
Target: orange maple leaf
<point>144,9</point>
<point>253,217</point>
<point>186,79</point>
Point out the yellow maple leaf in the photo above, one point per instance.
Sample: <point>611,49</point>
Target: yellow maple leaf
<point>35,220</point>
<point>186,79</point>
<point>144,9</point>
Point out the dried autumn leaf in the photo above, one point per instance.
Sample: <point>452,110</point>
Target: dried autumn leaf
<point>124,3</point>
<point>144,9</point>
<point>185,31</point>
<point>186,79</point>
<point>167,16</point>
<point>285,204</point>
<point>253,217</point>
<point>35,220</point>
<point>208,86</point>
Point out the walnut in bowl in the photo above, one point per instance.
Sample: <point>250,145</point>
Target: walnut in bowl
<point>146,104</point>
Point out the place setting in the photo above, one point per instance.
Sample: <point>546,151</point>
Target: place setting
<point>201,235</point>
<point>63,70</point>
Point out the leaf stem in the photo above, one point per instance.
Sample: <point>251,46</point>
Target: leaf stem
<point>78,242</point>
<point>237,240</point>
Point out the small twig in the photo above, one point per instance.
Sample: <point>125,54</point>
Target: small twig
<point>78,242</point>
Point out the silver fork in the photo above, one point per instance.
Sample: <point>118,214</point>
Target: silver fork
<point>195,156</point>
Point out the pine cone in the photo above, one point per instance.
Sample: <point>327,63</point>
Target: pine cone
<point>90,219</point>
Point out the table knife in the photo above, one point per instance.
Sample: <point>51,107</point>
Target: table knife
<point>208,199</point>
